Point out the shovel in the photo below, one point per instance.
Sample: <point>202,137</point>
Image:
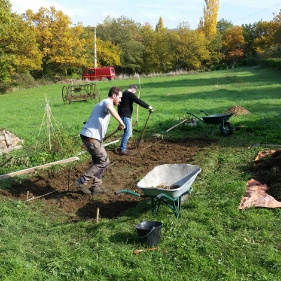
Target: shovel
<point>111,134</point>
<point>140,141</point>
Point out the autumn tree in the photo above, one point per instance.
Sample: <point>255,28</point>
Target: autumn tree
<point>209,22</point>
<point>60,43</point>
<point>164,48</point>
<point>214,47</point>
<point>233,44</point>
<point>265,40</point>
<point>125,34</point>
<point>20,44</point>
<point>160,49</point>
<point>223,25</point>
<point>5,21</point>
<point>159,25</point>
<point>149,60</point>
<point>277,34</point>
<point>191,49</point>
<point>107,53</point>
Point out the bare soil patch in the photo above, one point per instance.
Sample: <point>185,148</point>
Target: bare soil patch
<point>123,173</point>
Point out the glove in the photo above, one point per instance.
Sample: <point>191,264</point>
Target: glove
<point>151,109</point>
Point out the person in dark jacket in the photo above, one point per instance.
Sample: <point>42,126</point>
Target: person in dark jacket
<point>125,110</point>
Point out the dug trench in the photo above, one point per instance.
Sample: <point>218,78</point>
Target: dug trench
<point>55,187</point>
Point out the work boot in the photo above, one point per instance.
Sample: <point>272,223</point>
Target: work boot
<point>98,189</point>
<point>125,152</point>
<point>82,187</point>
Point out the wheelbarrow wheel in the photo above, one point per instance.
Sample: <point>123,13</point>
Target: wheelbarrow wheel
<point>64,94</point>
<point>226,129</point>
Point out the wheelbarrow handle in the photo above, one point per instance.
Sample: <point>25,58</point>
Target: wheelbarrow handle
<point>127,191</point>
<point>204,112</point>
<point>195,116</point>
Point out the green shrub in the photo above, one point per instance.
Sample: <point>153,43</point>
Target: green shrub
<point>274,63</point>
<point>250,61</point>
<point>6,87</point>
<point>23,80</point>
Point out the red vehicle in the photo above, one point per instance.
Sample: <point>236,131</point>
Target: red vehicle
<point>98,73</point>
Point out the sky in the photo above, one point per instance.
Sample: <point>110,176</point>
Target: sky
<point>173,12</point>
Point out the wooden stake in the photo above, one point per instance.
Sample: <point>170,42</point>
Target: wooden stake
<point>33,198</point>
<point>137,117</point>
<point>68,180</point>
<point>98,215</point>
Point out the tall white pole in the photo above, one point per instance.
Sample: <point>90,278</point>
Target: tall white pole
<point>95,47</point>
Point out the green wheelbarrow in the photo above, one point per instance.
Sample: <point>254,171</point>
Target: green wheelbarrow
<point>167,184</point>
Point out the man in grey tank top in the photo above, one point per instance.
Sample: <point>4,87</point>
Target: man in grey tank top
<point>92,135</point>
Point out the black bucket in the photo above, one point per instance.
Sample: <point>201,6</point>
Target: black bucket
<point>149,232</point>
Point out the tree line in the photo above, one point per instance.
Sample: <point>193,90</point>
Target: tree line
<point>47,44</point>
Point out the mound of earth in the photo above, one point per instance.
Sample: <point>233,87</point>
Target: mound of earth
<point>56,187</point>
<point>237,110</point>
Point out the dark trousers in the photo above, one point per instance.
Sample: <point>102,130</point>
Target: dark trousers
<point>100,161</point>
